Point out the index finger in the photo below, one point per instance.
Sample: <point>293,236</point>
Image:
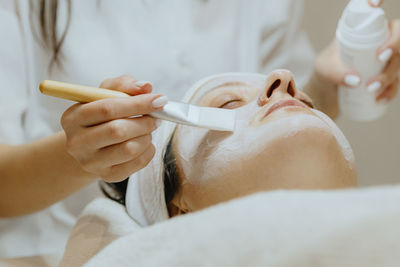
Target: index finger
<point>127,84</point>
<point>116,108</point>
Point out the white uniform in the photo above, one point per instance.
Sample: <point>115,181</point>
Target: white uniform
<point>170,43</point>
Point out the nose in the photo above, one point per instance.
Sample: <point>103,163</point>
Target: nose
<point>280,83</point>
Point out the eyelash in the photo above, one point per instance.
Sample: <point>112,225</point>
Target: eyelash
<point>229,102</point>
<point>238,100</point>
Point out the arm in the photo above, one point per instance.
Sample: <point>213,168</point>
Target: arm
<point>36,175</point>
<point>99,140</point>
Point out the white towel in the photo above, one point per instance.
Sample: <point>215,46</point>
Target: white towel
<point>359,227</point>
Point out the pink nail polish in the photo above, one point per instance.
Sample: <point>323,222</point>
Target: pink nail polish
<point>160,101</point>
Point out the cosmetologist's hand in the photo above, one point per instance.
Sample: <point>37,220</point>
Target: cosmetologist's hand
<point>386,84</point>
<point>104,140</point>
<point>329,67</point>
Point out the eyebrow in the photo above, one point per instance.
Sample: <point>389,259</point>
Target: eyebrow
<point>225,85</point>
<point>222,85</point>
<point>230,84</point>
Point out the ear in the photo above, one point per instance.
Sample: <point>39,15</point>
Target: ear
<point>174,210</point>
<point>177,206</point>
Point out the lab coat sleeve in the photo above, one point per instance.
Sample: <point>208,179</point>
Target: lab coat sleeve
<point>13,78</point>
<point>283,42</point>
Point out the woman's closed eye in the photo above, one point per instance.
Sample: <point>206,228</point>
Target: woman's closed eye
<point>232,104</point>
<point>229,96</point>
<point>227,101</point>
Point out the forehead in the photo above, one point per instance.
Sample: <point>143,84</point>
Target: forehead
<point>223,80</point>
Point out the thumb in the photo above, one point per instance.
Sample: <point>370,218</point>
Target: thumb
<point>127,84</point>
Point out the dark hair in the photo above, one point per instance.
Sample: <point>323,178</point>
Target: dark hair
<point>117,191</point>
<point>43,21</point>
<point>171,177</point>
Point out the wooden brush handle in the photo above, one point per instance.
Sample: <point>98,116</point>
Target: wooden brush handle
<point>79,93</point>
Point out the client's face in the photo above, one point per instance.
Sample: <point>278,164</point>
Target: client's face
<point>279,142</point>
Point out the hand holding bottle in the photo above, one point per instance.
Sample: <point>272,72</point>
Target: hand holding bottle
<point>378,76</point>
<point>389,52</point>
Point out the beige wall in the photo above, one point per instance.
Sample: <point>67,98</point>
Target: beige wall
<point>376,144</point>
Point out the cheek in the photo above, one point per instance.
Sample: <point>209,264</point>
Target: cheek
<point>188,146</point>
<point>202,153</point>
<point>309,159</point>
<point>341,139</point>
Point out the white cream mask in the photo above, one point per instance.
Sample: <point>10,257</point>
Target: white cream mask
<point>205,154</point>
<point>193,139</point>
<point>214,147</point>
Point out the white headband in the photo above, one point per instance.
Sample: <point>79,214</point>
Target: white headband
<point>145,200</point>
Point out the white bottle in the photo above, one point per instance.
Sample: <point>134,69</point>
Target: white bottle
<point>361,31</point>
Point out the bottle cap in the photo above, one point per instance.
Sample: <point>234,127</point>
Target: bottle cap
<point>362,24</point>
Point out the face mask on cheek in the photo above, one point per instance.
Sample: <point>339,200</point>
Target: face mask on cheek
<point>207,154</point>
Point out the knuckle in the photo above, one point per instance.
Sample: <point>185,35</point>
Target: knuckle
<point>116,129</point>
<point>66,119</point>
<point>106,109</point>
<point>105,83</point>
<point>130,149</point>
<point>125,80</point>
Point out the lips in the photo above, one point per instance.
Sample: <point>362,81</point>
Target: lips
<point>283,104</point>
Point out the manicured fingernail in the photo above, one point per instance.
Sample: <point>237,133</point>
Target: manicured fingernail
<point>160,102</point>
<point>373,87</point>
<point>157,123</point>
<point>142,83</point>
<point>383,101</point>
<point>375,2</point>
<point>385,55</point>
<point>352,80</point>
